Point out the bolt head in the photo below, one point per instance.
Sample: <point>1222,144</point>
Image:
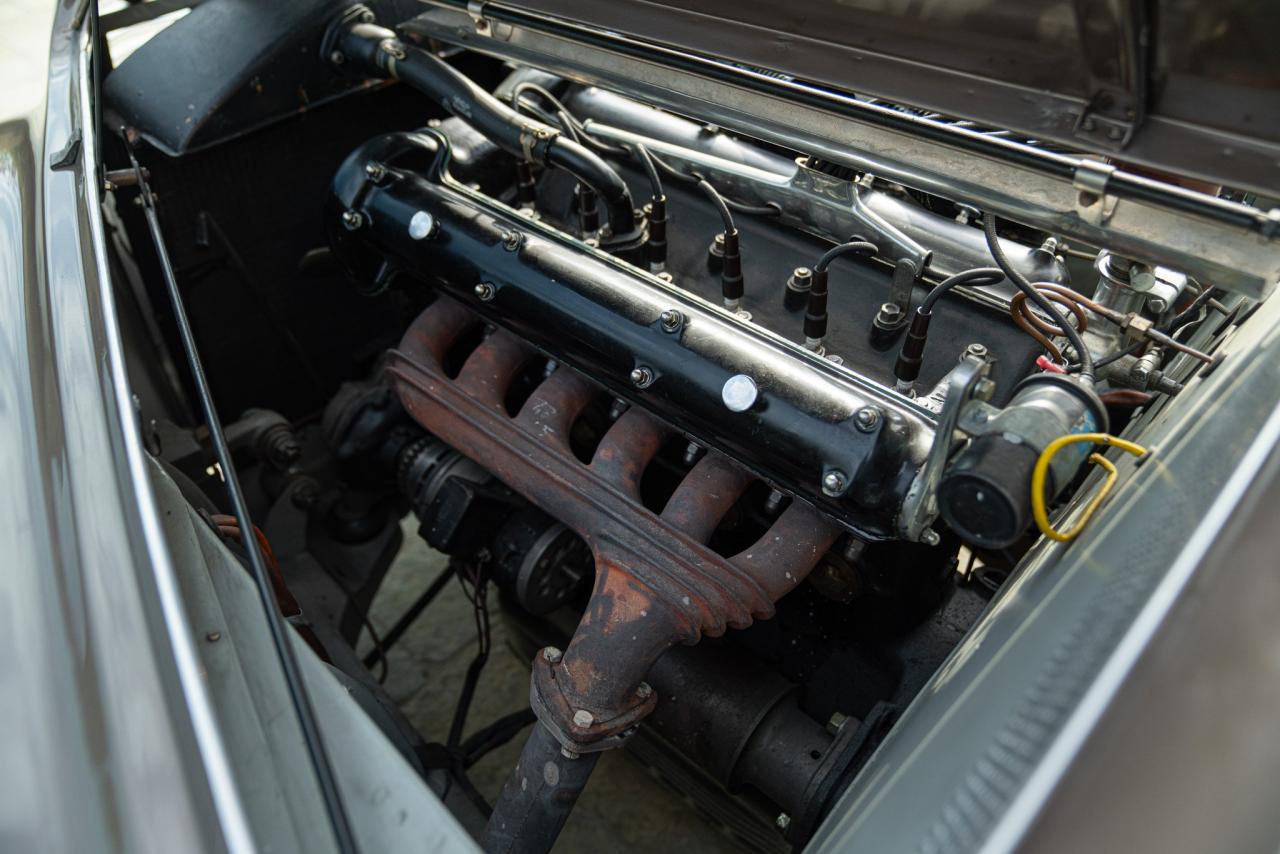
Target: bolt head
<point>583,718</point>
<point>739,393</point>
<point>671,320</point>
<point>485,291</point>
<point>305,495</point>
<point>783,821</point>
<point>978,351</point>
<point>890,312</point>
<point>691,453</point>
<point>1158,304</point>
<point>644,691</point>
<point>352,220</point>
<point>337,58</point>
<point>641,377</point>
<point>375,171</point>
<point>421,225</point>
<point>1142,279</point>
<point>930,537</point>
<point>213,637</point>
<point>834,482</point>
<point>511,240</point>
<point>867,419</point>
<point>716,249</point>
<point>552,655</point>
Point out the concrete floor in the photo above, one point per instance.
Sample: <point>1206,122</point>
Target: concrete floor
<point>623,807</point>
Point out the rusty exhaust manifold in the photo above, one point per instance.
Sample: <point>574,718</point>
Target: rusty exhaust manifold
<point>657,583</point>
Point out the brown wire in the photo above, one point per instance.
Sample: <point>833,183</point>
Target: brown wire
<point>1031,323</point>
<point>1126,397</point>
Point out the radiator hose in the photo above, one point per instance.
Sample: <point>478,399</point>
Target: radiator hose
<point>376,50</point>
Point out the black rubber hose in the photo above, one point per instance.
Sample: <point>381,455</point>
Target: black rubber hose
<point>379,51</point>
<point>979,277</point>
<point>718,200</point>
<point>731,283</point>
<point>538,797</point>
<point>1041,301</point>
<point>911,356</point>
<point>542,92</point>
<point>655,181</point>
<point>854,245</point>
<point>767,209</point>
<point>657,246</point>
<point>815,312</point>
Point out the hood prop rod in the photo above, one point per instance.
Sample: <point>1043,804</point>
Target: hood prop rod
<point>320,761</point>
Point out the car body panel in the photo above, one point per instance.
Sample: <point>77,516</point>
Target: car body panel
<point>98,720</point>
<point>1175,85</point>
<point>119,729</point>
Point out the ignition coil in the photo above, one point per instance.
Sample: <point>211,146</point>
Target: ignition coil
<point>985,494</point>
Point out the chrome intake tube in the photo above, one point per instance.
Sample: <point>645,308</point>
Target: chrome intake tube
<point>808,199</point>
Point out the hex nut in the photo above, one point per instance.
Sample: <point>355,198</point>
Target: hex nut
<point>671,320</point>
<point>867,419</point>
<point>801,279</point>
<point>485,291</point>
<point>834,482</point>
<point>641,377</point>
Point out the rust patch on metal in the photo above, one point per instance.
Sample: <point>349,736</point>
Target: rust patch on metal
<point>657,583</point>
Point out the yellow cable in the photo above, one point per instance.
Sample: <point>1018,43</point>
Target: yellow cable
<point>1041,470</point>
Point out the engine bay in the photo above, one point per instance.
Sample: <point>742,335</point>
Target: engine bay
<point>737,441</point>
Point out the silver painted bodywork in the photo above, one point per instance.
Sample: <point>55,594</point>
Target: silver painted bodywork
<point>122,726</point>
<point>977,756</point>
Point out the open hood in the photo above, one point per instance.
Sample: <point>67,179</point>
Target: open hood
<point>1176,86</point>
